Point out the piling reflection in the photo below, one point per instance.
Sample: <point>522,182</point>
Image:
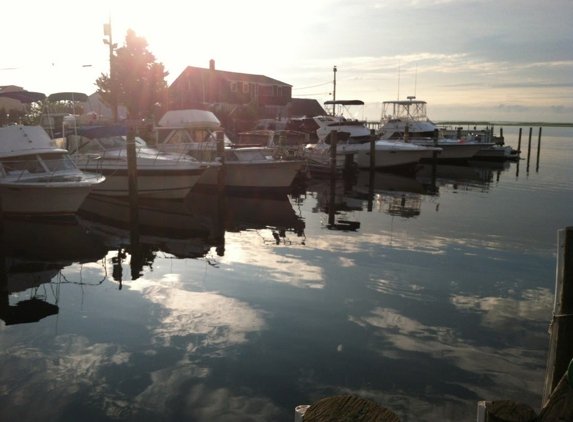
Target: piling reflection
<point>28,266</point>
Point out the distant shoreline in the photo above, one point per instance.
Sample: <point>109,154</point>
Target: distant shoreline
<point>471,123</point>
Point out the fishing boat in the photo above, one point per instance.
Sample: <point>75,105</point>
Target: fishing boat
<point>406,120</point>
<point>160,175</point>
<point>37,178</point>
<point>198,133</point>
<point>355,138</point>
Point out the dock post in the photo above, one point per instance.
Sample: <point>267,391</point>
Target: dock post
<point>373,166</point>
<point>529,147</point>
<point>538,148</point>
<point>331,205</point>
<point>348,408</point>
<point>221,175</point>
<point>372,148</point>
<point>561,341</point>
<point>519,140</point>
<point>407,134</point>
<point>133,190</point>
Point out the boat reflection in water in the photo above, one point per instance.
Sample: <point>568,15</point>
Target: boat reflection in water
<point>400,194</point>
<point>31,270</point>
<point>236,213</point>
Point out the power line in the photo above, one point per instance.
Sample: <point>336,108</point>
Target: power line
<point>314,86</point>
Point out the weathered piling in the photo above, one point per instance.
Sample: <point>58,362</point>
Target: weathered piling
<point>133,190</point>
<point>538,149</point>
<point>331,206</point>
<point>372,169</point>
<point>561,341</point>
<point>519,140</point>
<point>221,175</point>
<point>529,147</point>
<point>347,408</point>
<point>505,411</point>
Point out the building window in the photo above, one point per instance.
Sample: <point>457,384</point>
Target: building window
<point>245,87</point>
<point>233,86</point>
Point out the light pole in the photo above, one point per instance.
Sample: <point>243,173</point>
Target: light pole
<point>112,85</point>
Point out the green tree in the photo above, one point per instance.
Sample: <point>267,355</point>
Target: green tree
<point>138,79</point>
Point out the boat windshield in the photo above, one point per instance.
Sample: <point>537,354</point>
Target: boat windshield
<point>83,145</point>
<point>36,164</point>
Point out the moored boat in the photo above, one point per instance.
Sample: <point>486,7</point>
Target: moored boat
<point>406,120</point>
<point>159,175</point>
<point>198,133</point>
<point>37,178</point>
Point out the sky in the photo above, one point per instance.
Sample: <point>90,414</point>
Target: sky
<point>496,60</point>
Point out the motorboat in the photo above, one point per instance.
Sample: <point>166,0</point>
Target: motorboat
<point>406,120</point>
<point>198,133</point>
<point>387,154</point>
<point>357,139</point>
<point>160,175</point>
<point>37,178</point>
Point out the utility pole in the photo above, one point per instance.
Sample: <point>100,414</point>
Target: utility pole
<point>113,90</point>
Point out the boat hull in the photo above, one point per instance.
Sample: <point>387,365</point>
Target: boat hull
<point>397,155</point>
<point>450,152</point>
<point>159,183</point>
<point>42,199</point>
<point>249,177</point>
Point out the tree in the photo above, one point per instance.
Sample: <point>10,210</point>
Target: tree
<point>138,80</point>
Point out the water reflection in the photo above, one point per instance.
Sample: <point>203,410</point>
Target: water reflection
<point>27,264</point>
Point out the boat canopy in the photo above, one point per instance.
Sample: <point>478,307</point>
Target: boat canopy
<point>344,102</point>
<point>68,96</point>
<point>93,132</point>
<point>187,119</point>
<point>23,96</point>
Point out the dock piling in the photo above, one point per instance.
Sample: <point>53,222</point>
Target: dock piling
<point>538,149</point>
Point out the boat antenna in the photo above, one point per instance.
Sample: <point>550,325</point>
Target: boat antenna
<point>416,80</point>
<point>398,99</point>
<point>334,92</point>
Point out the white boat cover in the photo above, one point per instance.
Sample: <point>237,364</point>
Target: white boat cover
<point>179,119</point>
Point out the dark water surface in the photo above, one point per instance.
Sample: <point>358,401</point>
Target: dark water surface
<point>239,311</point>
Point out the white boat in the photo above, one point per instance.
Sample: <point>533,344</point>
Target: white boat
<point>357,137</point>
<point>37,177</point>
<point>199,134</point>
<point>406,120</point>
<point>160,175</point>
<point>356,129</point>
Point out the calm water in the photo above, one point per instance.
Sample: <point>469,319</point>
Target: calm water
<point>242,310</point>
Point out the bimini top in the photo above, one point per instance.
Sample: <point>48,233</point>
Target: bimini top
<point>344,102</point>
<point>23,96</point>
<point>68,96</point>
<point>187,119</point>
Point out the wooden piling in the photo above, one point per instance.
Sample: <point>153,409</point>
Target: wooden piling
<point>407,134</point>
<point>132,183</point>
<point>538,148</point>
<point>372,148</point>
<point>331,204</point>
<point>561,341</point>
<point>508,411</point>
<point>529,147</point>
<point>348,408</point>
<point>519,140</point>
<point>221,175</point>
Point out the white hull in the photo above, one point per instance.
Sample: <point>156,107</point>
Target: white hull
<point>453,151</point>
<point>42,199</point>
<point>387,154</point>
<point>36,177</point>
<point>268,175</point>
<point>160,183</point>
